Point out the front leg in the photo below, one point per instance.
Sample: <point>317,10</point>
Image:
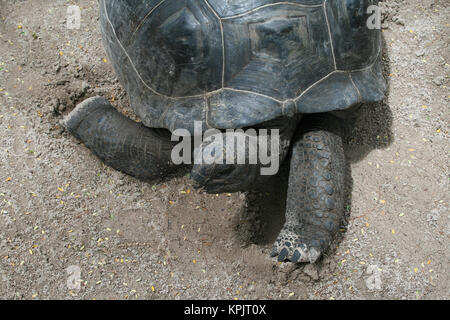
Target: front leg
<point>121,143</point>
<point>315,200</point>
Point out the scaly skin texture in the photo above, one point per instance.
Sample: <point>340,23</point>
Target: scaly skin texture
<point>315,200</point>
<point>121,143</point>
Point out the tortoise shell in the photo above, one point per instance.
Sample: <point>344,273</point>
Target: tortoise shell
<point>239,63</point>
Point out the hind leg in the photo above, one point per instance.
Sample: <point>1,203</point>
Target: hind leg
<point>315,200</point>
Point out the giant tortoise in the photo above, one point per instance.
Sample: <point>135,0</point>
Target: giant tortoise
<point>296,67</point>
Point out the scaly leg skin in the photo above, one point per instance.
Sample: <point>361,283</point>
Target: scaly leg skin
<point>121,143</point>
<point>315,200</point>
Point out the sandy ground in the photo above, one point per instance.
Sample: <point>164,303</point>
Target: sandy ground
<point>65,216</point>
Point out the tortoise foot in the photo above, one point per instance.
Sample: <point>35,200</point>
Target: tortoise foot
<point>301,244</point>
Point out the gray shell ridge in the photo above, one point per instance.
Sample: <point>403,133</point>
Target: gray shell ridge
<point>235,63</point>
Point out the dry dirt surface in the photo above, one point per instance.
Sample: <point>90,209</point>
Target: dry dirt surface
<point>64,216</point>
